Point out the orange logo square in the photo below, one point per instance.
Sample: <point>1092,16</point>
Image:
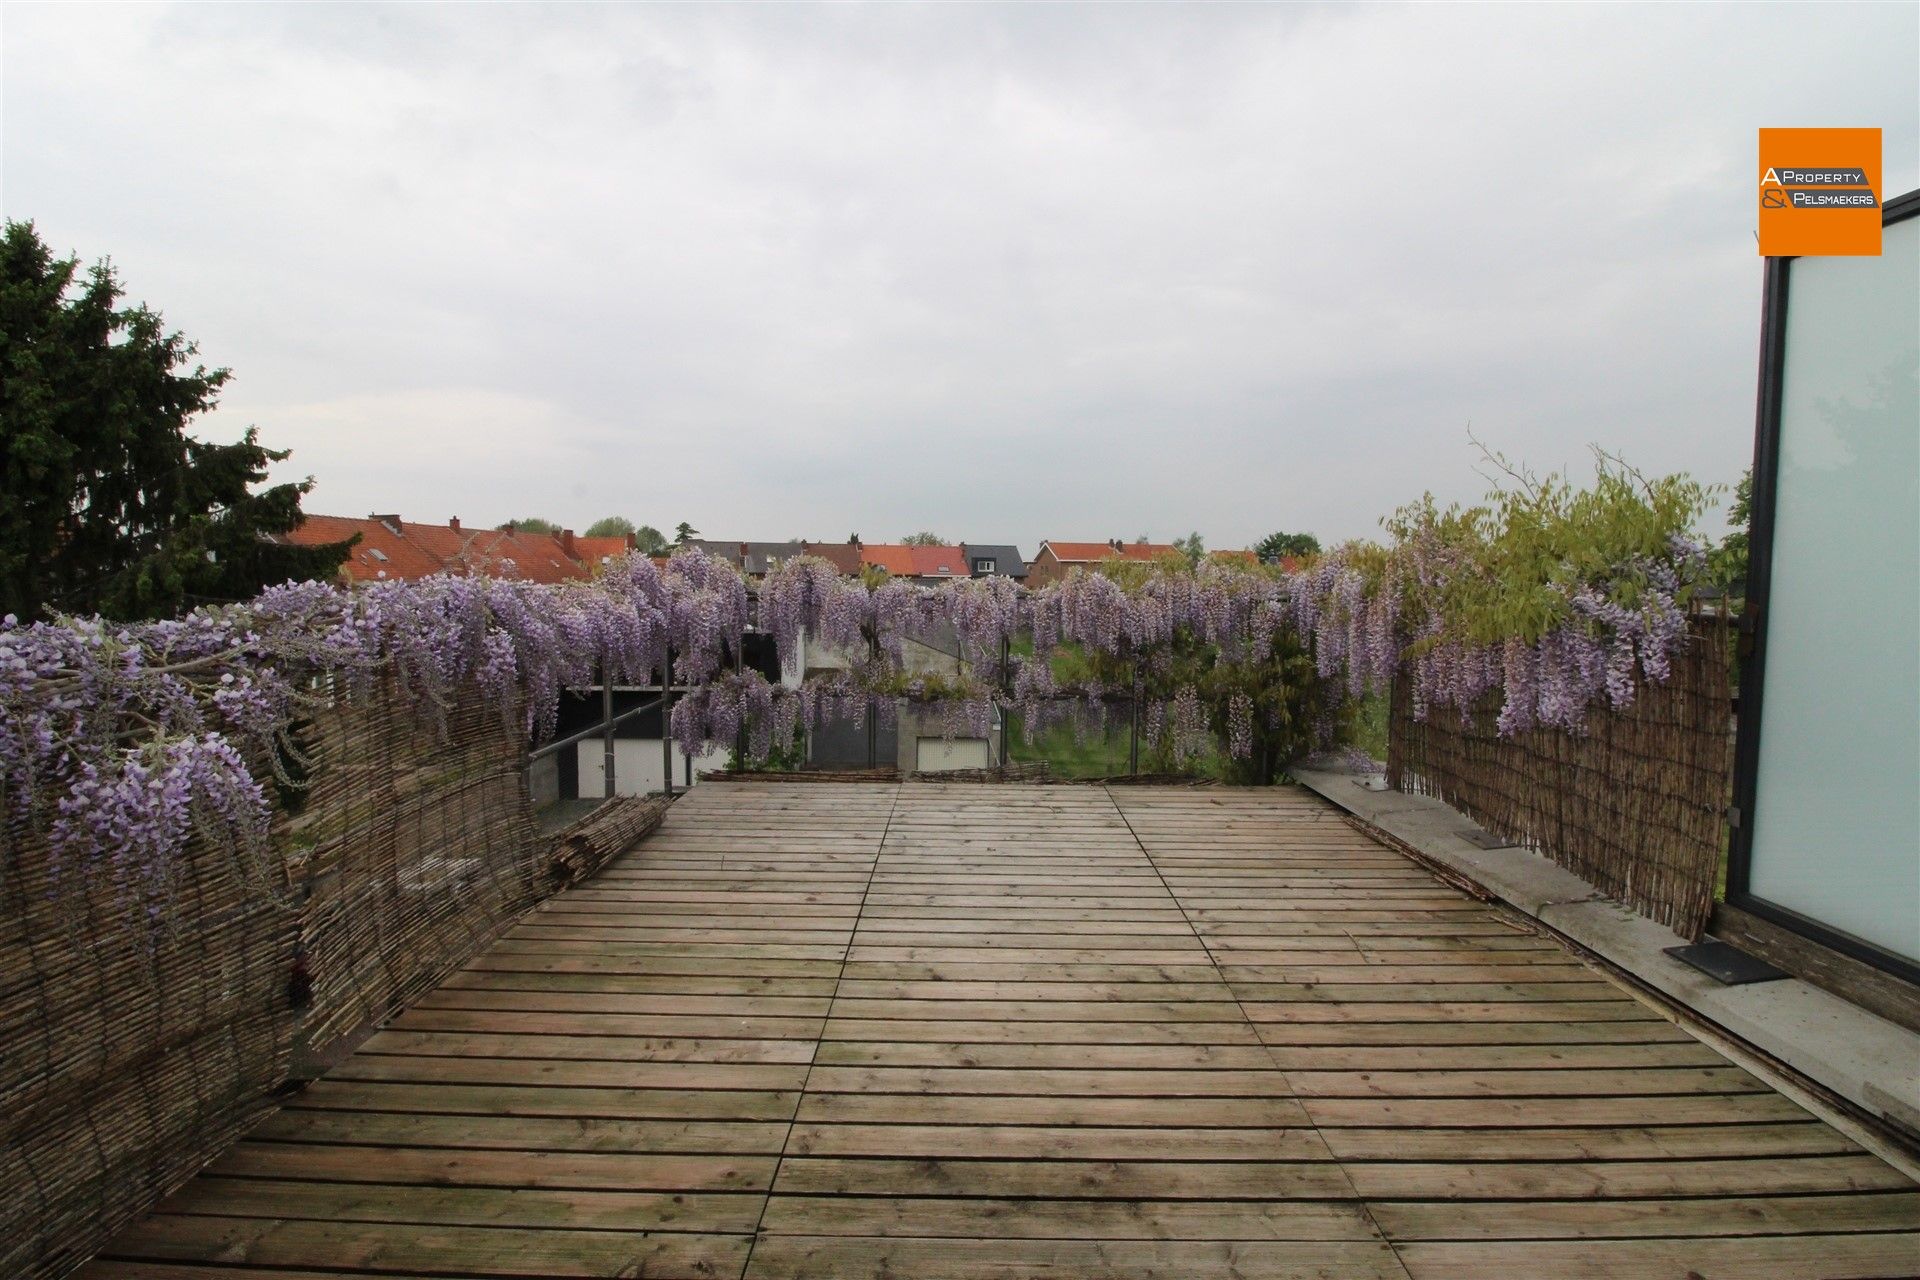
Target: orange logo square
<point>1819,192</point>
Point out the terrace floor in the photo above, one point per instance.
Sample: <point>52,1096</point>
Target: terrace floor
<point>921,1030</point>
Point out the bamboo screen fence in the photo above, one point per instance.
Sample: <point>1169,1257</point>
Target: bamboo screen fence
<point>132,1050</point>
<point>1636,805</point>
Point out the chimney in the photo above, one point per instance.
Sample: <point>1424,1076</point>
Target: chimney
<point>391,521</point>
<point>566,544</point>
<point>454,524</point>
<point>1114,543</point>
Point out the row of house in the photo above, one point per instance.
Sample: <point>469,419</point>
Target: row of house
<point>1052,562</point>
<point>900,560</point>
<point>390,547</point>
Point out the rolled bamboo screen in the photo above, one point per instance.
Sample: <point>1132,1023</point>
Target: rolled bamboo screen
<point>134,1051</point>
<point>1636,805</point>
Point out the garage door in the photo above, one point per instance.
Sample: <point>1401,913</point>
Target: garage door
<point>931,755</point>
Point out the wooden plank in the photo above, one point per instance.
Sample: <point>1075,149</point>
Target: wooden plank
<point>1530,1180</point>
<point>988,1109</point>
<point>1348,1011</point>
<point>1042,1082</point>
<point>1488,1057</point>
<point>1707,1216</point>
<point>1066,1179</point>
<point>1057,1142</point>
<point>798,1257</point>
<point>117,1269</point>
<point>1003,971</point>
<point>458,1044</point>
<point>955,1031</point>
<point>592,1023</point>
<point>1858,1256</point>
<point>921,1054</point>
<point>1068,1219</point>
<point>462,1250</point>
<point>512,991</point>
<point>1141,1010</point>
<point>524,1133</point>
<point>1804,1137</point>
<point>574,1102</point>
<point>758,1077</point>
<point>597,1170</point>
<point>1035,989</point>
<point>1481,1034</point>
<point>1502,1113</point>
<point>1567,1081</point>
<point>571,1209</point>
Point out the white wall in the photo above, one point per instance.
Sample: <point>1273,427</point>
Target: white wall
<point>935,754</point>
<point>636,766</point>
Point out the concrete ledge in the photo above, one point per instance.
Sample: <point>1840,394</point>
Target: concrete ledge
<point>1872,1063</point>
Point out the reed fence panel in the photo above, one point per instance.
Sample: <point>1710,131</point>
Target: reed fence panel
<point>135,1048</point>
<point>1636,805</point>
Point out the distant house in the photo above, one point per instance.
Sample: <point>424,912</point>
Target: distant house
<point>594,552</point>
<point>943,563</point>
<point>391,548</point>
<point>734,553</point>
<point>759,559</point>
<point>894,557</point>
<point>1057,559</point>
<point>844,556</point>
<point>993,560</point>
<point>939,564</point>
<point>754,559</point>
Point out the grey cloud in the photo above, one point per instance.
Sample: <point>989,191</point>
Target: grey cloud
<point>1007,272</point>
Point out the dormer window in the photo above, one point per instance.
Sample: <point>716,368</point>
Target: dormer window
<point>982,565</point>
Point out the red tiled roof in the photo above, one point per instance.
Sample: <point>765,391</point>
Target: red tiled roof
<point>1079,552</point>
<point>592,551</point>
<point>891,556</point>
<point>402,549</point>
<point>543,557</point>
<point>382,552</point>
<point>844,556</point>
<point>537,557</point>
<point>939,562</point>
<point>1094,552</point>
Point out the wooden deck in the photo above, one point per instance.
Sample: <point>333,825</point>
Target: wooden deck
<point>1007,1031</point>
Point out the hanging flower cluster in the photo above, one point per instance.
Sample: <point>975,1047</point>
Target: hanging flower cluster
<point>1558,600</point>
<point>121,740</point>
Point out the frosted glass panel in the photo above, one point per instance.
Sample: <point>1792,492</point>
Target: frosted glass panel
<point>1836,821</point>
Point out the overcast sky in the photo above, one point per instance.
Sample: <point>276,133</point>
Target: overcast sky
<point>1002,273</point>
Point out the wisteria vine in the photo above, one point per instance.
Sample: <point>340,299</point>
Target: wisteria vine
<point>122,741</point>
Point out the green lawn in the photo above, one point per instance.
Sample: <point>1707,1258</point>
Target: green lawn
<point>1370,726</point>
<point>1100,756</point>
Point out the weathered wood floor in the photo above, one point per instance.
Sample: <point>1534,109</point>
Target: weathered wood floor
<point>977,1031</point>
